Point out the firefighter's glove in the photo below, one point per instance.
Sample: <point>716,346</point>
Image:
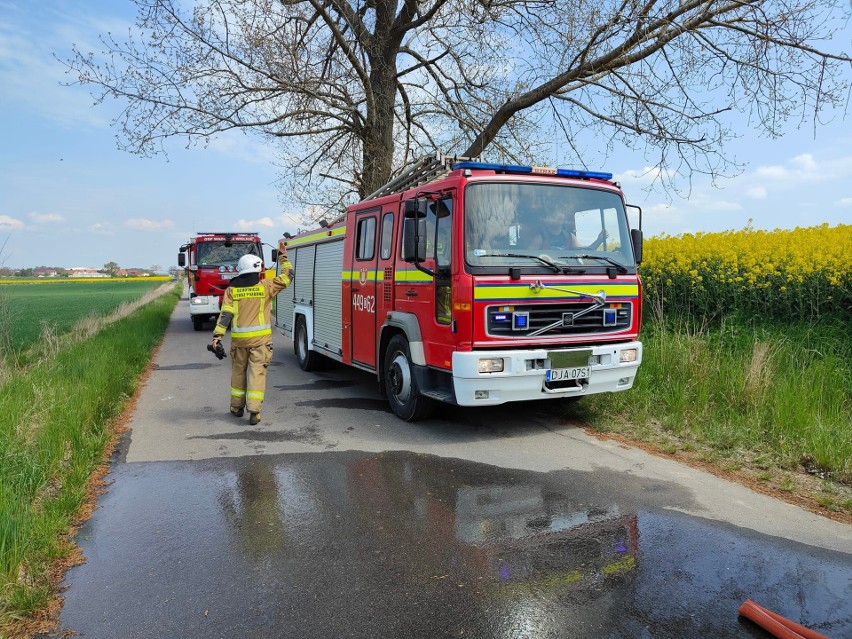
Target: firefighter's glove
<point>217,349</point>
<point>287,269</point>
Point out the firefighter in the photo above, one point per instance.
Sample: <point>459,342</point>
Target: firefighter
<point>246,309</point>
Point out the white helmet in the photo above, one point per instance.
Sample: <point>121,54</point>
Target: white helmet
<point>249,264</point>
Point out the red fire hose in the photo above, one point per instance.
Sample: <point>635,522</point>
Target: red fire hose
<point>775,624</point>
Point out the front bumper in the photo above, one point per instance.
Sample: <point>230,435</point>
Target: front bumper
<point>524,371</point>
<point>204,305</point>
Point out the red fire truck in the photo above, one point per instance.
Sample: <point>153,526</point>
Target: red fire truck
<point>474,284</point>
<point>210,261</point>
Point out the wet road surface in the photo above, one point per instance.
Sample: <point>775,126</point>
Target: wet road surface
<point>399,544</point>
<point>340,521</point>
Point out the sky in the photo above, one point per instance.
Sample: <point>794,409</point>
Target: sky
<point>69,197</point>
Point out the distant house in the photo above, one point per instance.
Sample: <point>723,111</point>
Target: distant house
<point>82,271</point>
<point>45,271</point>
<point>133,272</point>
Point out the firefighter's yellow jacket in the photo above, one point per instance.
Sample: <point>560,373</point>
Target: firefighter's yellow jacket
<point>247,309</point>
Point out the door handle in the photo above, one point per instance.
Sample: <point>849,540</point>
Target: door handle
<point>411,293</point>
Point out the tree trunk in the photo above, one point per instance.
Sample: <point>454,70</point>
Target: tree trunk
<point>378,139</point>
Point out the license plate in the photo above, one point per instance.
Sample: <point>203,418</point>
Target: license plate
<point>228,276</point>
<point>568,374</point>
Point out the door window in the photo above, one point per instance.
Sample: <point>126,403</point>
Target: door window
<point>387,236</point>
<point>443,211</point>
<point>366,239</point>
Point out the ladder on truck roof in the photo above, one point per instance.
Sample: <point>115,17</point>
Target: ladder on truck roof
<point>426,169</point>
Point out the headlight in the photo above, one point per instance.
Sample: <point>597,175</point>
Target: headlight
<point>198,300</point>
<point>491,365</point>
<point>628,355</point>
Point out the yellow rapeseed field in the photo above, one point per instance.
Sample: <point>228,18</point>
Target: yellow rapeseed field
<point>805,273</point>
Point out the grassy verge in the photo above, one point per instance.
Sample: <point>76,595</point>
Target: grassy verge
<point>55,423</point>
<point>773,401</point>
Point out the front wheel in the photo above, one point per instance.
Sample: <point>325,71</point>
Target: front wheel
<point>308,359</point>
<point>198,322</point>
<point>401,385</point>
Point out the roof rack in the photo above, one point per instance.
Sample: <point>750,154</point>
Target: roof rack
<point>426,169</point>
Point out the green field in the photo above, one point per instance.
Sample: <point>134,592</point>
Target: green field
<point>27,309</point>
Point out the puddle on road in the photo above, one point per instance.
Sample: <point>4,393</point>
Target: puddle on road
<point>355,403</point>
<point>319,384</point>
<point>306,435</point>
<point>182,367</point>
<point>407,545</point>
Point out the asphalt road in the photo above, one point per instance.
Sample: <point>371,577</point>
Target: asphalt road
<point>332,518</point>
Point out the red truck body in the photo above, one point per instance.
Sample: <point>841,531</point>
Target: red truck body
<point>444,289</point>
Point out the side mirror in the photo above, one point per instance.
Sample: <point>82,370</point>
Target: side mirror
<point>181,259</point>
<point>410,251</point>
<point>415,208</point>
<point>636,239</point>
<point>274,255</point>
<point>638,208</point>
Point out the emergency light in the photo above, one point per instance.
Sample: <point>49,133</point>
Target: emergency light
<point>537,170</point>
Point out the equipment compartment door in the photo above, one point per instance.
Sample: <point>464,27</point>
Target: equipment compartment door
<point>363,277</point>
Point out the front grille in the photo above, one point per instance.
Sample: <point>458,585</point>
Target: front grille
<point>509,321</point>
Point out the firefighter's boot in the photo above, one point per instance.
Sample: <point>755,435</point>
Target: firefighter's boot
<point>237,412</point>
<point>254,418</point>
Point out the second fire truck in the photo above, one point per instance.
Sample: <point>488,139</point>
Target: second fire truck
<point>474,284</point>
<point>210,261</point>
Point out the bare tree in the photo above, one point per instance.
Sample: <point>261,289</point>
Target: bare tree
<point>354,90</point>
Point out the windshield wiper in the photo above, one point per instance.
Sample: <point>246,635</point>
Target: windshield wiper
<point>620,267</point>
<point>541,259</point>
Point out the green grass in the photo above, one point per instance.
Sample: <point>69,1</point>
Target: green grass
<point>30,308</point>
<point>777,396</point>
<point>55,418</point>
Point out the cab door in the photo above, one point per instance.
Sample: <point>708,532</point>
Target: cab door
<point>363,276</point>
<point>440,339</point>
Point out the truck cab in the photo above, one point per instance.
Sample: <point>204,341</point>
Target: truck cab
<point>210,261</point>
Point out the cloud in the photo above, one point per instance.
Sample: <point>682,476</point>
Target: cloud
<point>101,228</point>
<point>46,218</point>
<point>645,175</point>
<point>10,224</point>
<point>252,225</point>
<point>801,167</point>
<point>804,162</point>
<point>143,224</point>
<point>846,201</point>
<point>773,172</point>
<point>757,193</point>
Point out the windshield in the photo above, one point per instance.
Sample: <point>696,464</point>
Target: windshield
<point>217,254</point>
<point>516,224</point>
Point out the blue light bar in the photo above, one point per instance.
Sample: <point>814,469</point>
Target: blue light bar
<point>516,168</point>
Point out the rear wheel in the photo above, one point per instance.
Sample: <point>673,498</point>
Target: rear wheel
<point>401,385</point>
<point>308,359</point>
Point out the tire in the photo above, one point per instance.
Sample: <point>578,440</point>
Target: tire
<point>401,385</point>
<point>198,322</point>
<point>308,359</point>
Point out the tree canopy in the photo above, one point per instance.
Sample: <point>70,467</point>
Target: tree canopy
<point>355,90</point>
